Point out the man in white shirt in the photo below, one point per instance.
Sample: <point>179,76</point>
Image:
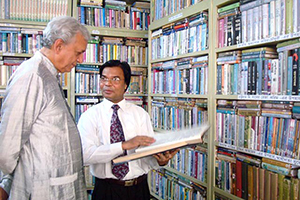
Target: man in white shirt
<point>39,140</point>
<point>98,149</point>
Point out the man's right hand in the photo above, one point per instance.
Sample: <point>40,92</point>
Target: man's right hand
<point>137,141</point>
<point>3,194</point>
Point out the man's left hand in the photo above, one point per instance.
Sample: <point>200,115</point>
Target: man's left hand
<point>163,158</point>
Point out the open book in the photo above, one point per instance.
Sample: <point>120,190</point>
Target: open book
<point>167,141</point>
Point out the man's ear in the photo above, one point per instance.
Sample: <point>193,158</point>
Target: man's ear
<point>58,44</point>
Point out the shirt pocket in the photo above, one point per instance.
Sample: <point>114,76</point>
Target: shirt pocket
<point>63,188</point>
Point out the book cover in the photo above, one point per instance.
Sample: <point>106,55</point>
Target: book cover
<point>167,141</point>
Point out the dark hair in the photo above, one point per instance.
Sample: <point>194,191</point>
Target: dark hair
<point>117,63</point>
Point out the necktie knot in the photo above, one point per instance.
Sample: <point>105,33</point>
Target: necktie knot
<point>115,107</point>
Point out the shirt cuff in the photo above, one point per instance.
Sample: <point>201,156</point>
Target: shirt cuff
<point>117,148</point>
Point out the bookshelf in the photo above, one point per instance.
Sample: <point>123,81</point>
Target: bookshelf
<point>21,26</point>
<point>161,99</point>
<point>168,94</point>
<point>116,35</point>
<point>254,148</point>
<point>282,41</point>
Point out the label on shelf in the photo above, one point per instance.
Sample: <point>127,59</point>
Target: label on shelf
<point>175,17</point>
<point>9,54</point>
<point>96,32</point>
<point>270,97</point>
<point>268,40</point>
<point>296,34</point>
<point>228,146</point>
<point>262,154</point>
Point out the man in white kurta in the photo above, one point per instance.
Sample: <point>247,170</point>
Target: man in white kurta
<point>39,141</point>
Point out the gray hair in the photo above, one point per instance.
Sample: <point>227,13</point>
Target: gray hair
<point>64,28</point>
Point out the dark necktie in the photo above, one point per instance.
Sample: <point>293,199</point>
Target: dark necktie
<point>117,135</point>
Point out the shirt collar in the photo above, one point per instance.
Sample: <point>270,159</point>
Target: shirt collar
<point>108,104</point>
<point>49,64</point>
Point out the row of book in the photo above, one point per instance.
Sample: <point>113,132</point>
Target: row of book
<point>248,21</point>
<point>183,76</point>
<point>126,17</point>
<point>7,67</point>
<point>82,103</point>
<point>138,81</point>
<point>167,185</point>
<point>10,64</point>
<point>20,41</point>
<point>99,53</point>
<point>178,113</point>
<point>33,10</point>
<point>191,162</point>
<point>260,71</point>
<point>182,37</point>
<point>163,8</point>
<point>250,177</point>
<point>87,80</point>
<point>265,126</point>
<point>229,25</point>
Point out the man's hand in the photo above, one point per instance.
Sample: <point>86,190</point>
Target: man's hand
<point>137,141</point>
<point>163,158</point>
<point>3,194</point>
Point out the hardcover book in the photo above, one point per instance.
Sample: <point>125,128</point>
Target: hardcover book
<point>167,141</point>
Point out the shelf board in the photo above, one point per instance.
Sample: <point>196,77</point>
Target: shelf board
<point>187,12</point>
<point>221,3</point>
<point>139,66</point>
<point>117,32</point>
<point>135,95</point>
<point>194,96</point>
<point>2,87</point>
<point>25,55</point>
<point>89,187</point>
<point>155,195</point>
<point>22,24</point>
<point>90,63</point>
<point>260,154</point>
<point>226,194</point>
<point>193,54</point>
<point>186,176</point>
<point>261,97</point>
<point>99,95</point>
<point>268,42</point>
<point>88,94</point>
<point>99,64</point>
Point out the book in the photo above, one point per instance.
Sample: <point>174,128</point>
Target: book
<point>167,141</point>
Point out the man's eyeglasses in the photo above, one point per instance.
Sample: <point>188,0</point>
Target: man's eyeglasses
<point>114,80</point>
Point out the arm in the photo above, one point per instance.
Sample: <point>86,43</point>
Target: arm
<point>19,111</point>
<point>95,148</point>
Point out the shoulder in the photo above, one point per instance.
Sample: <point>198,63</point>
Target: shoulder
<point>91,112</point>
<point>136,110</point>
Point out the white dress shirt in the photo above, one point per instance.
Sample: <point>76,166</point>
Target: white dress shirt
<point>98,152</point>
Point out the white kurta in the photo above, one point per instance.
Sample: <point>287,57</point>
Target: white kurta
<point>39,140</point>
